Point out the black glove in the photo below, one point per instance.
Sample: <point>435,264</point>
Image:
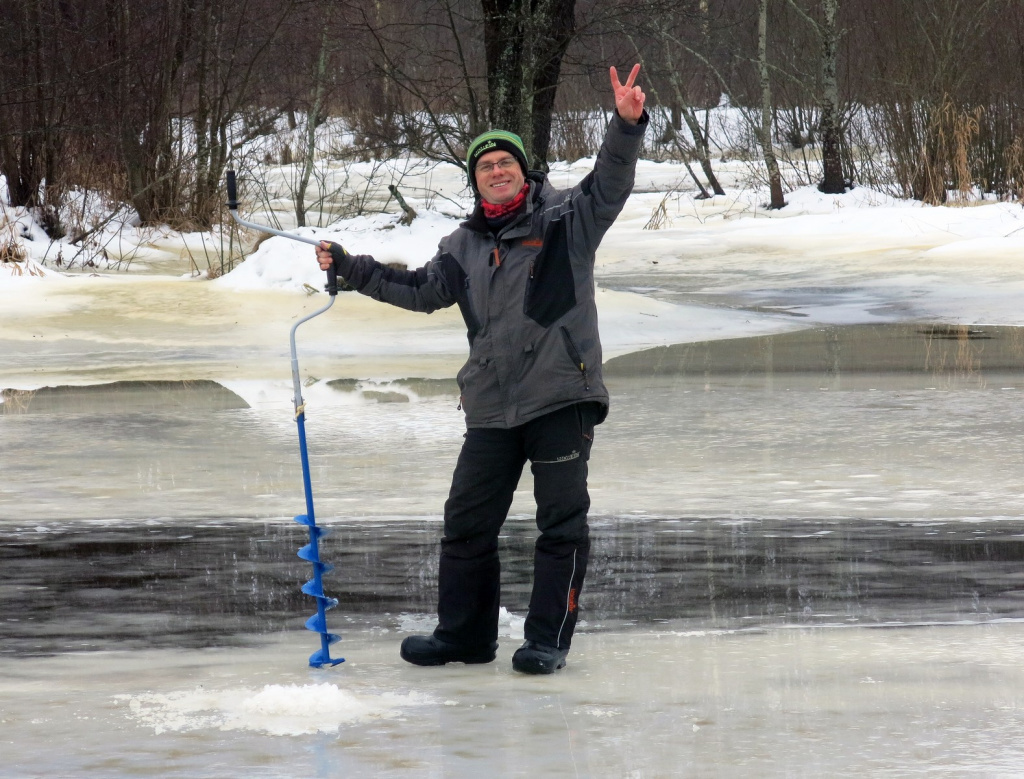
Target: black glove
<point>341,267</point>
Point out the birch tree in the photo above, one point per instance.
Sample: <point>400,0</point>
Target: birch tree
<point>764,129</point>
<point>832,182</point>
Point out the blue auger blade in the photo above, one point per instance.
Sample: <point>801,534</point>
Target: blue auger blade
<point>310,555</point>
<point>319,569</point>
<point>318,624</point>
<point>321,658</point>
<point>315,531</point>
<point>315,589</point>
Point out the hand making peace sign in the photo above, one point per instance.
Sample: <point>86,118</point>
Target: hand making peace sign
<point>629,99</point>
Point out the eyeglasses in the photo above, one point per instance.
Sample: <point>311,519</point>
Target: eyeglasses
<point>506,164</point>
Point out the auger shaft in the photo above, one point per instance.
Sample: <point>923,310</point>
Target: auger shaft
<point>311,552</point>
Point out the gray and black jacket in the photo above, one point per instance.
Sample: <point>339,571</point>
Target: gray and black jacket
<point>526,295</point>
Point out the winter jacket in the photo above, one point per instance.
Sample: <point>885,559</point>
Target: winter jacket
<point>526,295</point>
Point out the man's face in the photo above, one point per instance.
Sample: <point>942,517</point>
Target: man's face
<point>498,177</point>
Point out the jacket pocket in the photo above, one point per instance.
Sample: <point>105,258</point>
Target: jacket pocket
<point>480,393</point>
<point>575,355</point>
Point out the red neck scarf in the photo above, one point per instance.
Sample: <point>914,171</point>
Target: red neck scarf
<point>500,211</point>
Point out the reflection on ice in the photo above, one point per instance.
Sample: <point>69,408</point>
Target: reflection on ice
<point>129,586</point>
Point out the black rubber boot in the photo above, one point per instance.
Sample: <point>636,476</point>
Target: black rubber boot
<point>430,650</point>
<point>534,658</point>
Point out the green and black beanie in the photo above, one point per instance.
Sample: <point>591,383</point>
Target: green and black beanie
<point>494,140</point>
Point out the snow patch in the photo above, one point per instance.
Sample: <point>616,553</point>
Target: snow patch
<point>278,710</point>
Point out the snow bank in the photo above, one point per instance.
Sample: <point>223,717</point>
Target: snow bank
<point>280,263</point>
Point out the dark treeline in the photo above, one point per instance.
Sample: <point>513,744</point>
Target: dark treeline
<point>148,101</point>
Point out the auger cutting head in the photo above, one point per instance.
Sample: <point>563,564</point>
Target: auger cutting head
<point>315,589</point>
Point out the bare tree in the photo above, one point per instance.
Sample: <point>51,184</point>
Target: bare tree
<point>313,120</point>
<point>680,65</point>
<point>173,88</point>
<point>37,91</point>
<point>930,100</point>
<point>142,96</point>
<point>832,182</point>
<point>764,130</point>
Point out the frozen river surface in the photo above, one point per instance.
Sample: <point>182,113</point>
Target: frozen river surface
<point>807,562</point>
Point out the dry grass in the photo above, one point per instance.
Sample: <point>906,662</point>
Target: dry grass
<point>11,251</point>
<point>659,217</point>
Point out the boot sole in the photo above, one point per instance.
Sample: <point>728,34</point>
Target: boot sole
<point>424,660</point>
<point>535,667</point>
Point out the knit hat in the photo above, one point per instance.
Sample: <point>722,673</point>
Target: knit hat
<point>494,140</point>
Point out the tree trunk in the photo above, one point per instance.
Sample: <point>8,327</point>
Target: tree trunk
<point>21,152</point>
<point>476,122</point>
<point>765,128</point>
<point>524,42</point>
<point>554,28</point>
<point>504,22</point>
<point>702,148</point>
<point>832,182</point>
<point>202,115</point>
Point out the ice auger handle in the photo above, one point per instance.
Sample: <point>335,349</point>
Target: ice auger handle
<point>311,552</point>
<point>232,192</point>
<point>233,209</point>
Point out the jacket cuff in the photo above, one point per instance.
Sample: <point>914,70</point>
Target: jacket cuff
<point>343,263</point>
<point>636,129</point>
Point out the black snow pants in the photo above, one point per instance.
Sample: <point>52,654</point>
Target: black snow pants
<point>488,470</point>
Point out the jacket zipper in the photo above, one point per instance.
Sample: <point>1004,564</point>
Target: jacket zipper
<point>575,354</point>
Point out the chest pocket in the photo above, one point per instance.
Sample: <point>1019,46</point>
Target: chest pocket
<point>551,288</point>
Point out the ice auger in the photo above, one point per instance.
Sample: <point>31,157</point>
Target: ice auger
<point>311,551</point>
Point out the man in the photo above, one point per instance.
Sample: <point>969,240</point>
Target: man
<point>521,270</point>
